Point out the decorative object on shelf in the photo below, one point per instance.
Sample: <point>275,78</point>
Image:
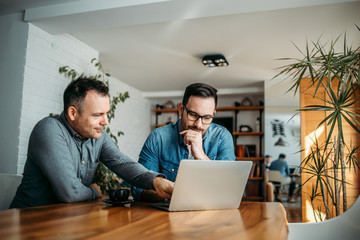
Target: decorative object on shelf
<point>169,120</point>
<point>277,127</point>
<point>216,60</point>
<point>169,104</point>
<point>250,151</point>
<point>257,124</point>
<point>158,106</point>
<point>261,103</point>
<point>237,104</point>
<point>245,128</point>
<point>255,170</point>
<point>240,150</point>
<point>246,102</point>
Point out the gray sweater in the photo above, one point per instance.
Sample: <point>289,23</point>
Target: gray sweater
<point>60,165</point>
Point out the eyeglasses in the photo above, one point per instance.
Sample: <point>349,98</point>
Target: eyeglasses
<point>193,116</point>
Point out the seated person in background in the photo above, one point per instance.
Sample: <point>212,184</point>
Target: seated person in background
<point>282,166</point>
<point>191,137</point>
<point>64,152</point>
<point>267,161</point>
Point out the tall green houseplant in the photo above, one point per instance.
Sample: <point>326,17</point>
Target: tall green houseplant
<point>337,75</point>
<point>104,177</point>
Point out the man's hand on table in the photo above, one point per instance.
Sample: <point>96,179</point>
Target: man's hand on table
<point>94,185</point>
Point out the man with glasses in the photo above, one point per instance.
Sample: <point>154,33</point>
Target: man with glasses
<point>193,136</point>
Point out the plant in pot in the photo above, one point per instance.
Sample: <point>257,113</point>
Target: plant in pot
<point>332,79</point>
<point>104,177</point>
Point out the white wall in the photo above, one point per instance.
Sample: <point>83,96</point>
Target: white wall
<point>132,117</point>
<point>13,36</point>
<point>290,137</point>
<point>43,88</point>
<point>282,105</point>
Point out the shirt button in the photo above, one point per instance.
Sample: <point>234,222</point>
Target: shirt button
<point>83,162</point>
<point>172,170</point>
<point>80,179</point>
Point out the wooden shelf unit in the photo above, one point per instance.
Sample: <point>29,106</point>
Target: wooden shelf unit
<point>256,178</point>
<point>255,189</point>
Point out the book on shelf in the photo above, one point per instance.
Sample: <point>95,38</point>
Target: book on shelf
<point>245,150</point>
<point>255,170</point>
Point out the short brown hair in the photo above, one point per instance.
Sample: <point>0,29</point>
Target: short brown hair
<point>201,90</point>
<point>76,91</point>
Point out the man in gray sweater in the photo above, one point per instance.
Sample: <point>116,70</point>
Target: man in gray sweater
<point>64,152</point>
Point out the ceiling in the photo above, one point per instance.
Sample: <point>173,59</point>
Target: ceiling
<point>157,45</point>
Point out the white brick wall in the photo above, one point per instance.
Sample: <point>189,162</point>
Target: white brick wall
<point>44,86</point>
<point>132,117</point>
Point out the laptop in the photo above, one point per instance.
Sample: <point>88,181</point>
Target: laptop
<point>208,185</point>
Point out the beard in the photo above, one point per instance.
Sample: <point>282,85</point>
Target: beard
<point>196,129</point>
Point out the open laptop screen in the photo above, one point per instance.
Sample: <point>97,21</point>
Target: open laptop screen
<point>205,185</point>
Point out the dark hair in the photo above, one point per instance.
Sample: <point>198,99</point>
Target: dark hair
<point>201,90</point>
<point>282,155</point>
<point>75,92</point>
<point>267,156</point>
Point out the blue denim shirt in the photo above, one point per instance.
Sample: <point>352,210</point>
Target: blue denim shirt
<point>165,148</point>
<point>280,165</point>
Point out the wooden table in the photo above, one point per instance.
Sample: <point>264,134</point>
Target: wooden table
<point>98,220</point>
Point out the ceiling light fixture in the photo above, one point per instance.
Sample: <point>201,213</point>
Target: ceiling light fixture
<point>216,60</point>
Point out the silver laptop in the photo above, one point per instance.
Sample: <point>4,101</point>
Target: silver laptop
<point>208,185</point>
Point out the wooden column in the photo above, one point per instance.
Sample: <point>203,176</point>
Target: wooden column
<point>309,123</point>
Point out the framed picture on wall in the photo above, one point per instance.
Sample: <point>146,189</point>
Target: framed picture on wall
<point>250,151</point>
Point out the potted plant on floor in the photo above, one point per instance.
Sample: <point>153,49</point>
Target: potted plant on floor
<point>104,177</point>
<point>337,75</point>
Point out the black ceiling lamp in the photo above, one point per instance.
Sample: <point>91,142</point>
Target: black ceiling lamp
<point>216,60</point>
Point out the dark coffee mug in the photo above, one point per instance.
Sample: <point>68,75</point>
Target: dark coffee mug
<point>119,195</point>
